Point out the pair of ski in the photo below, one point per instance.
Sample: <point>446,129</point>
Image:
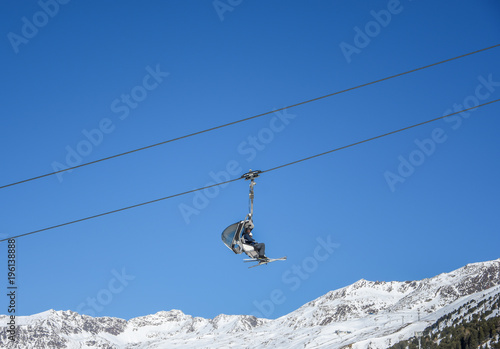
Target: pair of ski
<point>263,261</point>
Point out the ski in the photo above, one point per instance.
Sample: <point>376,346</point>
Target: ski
<point>263,261</point>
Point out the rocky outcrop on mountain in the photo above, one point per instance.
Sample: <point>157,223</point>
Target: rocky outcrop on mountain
<point>366,314</point>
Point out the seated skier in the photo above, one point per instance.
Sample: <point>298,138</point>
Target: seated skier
<point>260,247</point>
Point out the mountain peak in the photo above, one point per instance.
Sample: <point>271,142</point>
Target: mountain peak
<point>365,314</point>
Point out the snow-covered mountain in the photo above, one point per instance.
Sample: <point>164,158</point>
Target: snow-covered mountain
<point>365,314</point>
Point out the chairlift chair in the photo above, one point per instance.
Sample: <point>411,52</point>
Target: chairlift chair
<point>232,236</point>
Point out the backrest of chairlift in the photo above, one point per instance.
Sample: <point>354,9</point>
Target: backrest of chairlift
<point>237,244</point>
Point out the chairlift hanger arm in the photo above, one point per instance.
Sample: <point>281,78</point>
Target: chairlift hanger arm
<point>251,175</point>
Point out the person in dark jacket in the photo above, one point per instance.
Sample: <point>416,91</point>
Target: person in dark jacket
<point>260,247</point>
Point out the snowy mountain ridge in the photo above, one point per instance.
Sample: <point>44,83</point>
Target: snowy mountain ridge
<point>366,314</point>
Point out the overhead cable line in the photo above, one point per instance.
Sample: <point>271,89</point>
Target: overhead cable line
<point>268,170</point>
<point>380,136</point>
<point>119,210</point>
<point>246,119</point>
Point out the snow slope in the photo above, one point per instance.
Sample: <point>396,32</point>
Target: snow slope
<point>365,314</point>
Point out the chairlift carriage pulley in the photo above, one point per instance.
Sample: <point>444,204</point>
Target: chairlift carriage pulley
<point>232,236</point>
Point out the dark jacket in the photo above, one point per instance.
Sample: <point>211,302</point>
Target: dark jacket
<point>248,240</point>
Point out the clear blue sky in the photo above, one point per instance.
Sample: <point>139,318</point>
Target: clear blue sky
<point>88,79</point>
